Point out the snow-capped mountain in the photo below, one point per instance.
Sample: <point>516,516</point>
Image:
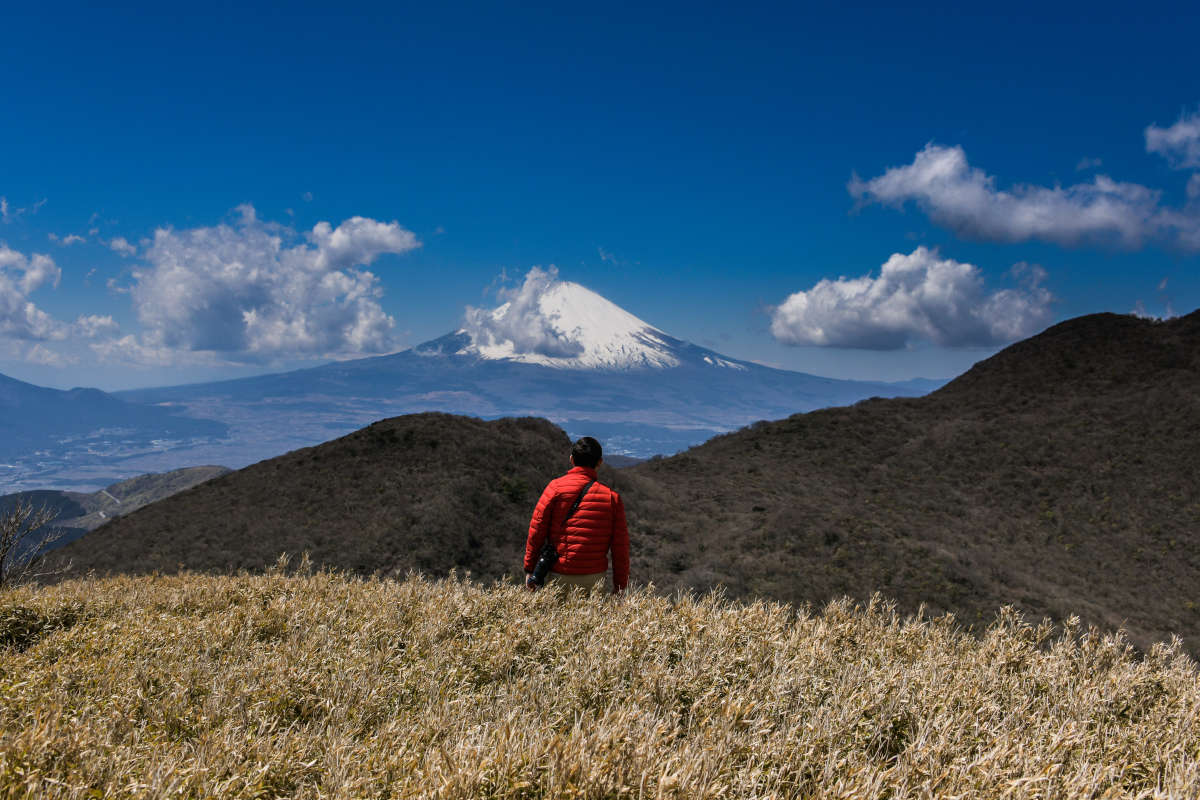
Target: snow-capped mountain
<point>568,326</point>
<point>554,349</point>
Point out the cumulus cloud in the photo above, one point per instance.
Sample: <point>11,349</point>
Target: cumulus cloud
<point>34,272</point>
<point>20,276</point>
<point>358,240</point>
<point>128,349</point>
<point>252,292</point>
<point>94,326</point>
<point>1179,144</point>
<point>119,244</point>
<point>520,320</point>
<point>965,200</point>
<point>40,354</point>
<point>68,240</point>
<point>919,296</point>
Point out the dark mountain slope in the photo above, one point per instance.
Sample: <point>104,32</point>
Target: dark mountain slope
<point>428,491</point>
<point>1060,475</point>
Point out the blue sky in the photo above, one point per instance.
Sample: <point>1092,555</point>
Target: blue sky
<point>843,191</point>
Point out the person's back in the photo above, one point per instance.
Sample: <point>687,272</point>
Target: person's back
<point>596,528</point>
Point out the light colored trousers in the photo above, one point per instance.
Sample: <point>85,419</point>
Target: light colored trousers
<point>585,582</point>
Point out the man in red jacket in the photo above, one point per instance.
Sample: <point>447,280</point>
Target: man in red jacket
<point>596,527</point>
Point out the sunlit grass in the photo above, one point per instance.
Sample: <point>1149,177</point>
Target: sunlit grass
<point>323,685</point>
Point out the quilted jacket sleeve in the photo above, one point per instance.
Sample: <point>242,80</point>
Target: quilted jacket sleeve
<point>620,545</point>
<point>539,527</point>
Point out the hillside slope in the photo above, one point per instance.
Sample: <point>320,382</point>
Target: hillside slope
<point>426,492</point>
<point>1059,475</point>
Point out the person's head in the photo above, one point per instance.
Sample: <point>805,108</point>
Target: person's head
<point>586,452</point>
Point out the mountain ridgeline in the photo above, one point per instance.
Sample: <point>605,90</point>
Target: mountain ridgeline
<point>1057,476</point>
<point>35,418</point>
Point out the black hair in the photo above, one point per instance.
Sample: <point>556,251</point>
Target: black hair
<point>586,452</point>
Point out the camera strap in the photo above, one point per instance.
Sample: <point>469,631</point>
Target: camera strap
<point>574,508</point>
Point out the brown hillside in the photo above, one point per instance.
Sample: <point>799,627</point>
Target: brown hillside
<point>428,492</point>
<point>1059,475</point>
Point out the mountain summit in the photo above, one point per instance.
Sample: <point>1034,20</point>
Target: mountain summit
<point>565,325</point>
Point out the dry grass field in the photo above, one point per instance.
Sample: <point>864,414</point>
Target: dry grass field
<point>329,686</point>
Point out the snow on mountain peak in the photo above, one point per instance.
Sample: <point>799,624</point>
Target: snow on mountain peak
<point>563,324</point>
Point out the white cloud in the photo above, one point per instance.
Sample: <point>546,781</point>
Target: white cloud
<point>358,240</point>
<point>35,272</point>
<point>249,292</point>
<point>1139,310</point>
<point>965,200</point>
<point>40,354</point>
<point>119,244</point>
<point>94,326</point>
<point>1179,144</point>
<point>129,350</point>
<point>20,276</point>
<point>918,296</point>
<point>66,241</point>
<point>520,320</point>
<point>1088,163</point>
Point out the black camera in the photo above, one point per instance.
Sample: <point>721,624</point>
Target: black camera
<point>546,560</point>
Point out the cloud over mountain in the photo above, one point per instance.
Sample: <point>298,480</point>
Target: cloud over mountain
<point>521,321</point>
<point>965,199</point>
<point>253,290</point>
<point>918,296</point>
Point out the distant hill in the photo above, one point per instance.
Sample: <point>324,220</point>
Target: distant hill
<point>1059,475</point>
<point>33,417</point>
<point>427,492</point>
<point>78,512</point>
<point>51,433</point>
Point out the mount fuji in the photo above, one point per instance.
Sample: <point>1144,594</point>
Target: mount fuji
<point>555,349</point>
<point>568,326</point>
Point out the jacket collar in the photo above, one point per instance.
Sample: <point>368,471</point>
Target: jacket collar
<point>589,471</point>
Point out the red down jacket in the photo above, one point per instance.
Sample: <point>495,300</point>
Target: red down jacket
<point>597,527</point>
